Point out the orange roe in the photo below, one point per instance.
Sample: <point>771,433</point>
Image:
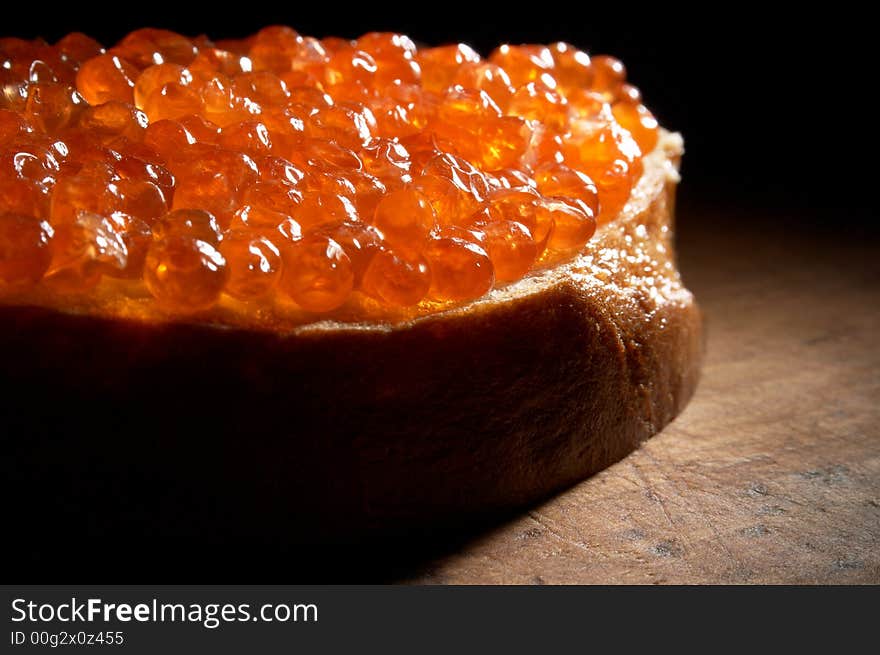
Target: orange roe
<point>461,268</point>
<point>294,173</point>
<point>397,279</point>
<point>24,249</point>
<point>254,264</point>
<point>184,272</point>
<point>317,274</point>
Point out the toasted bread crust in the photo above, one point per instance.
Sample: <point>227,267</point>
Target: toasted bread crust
<point>200,429</point>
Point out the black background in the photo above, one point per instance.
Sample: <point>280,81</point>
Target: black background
<point>774,102</point>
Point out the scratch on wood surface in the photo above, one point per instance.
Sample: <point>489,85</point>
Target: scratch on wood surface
<point>664,549</point>
<point>649,490</point>
<point>717,537</point>
<point>625,478</point>
<point>695,509</point>
<point>546,525</point>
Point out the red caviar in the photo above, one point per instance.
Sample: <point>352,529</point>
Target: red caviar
<point>290,172</point>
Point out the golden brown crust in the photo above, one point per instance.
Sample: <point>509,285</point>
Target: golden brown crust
<point>344,427</point>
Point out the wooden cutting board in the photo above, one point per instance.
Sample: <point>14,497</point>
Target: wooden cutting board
<point>772,473</point>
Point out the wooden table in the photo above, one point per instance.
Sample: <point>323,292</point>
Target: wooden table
<point>772,473</point>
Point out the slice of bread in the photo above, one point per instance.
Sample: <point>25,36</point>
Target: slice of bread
<point>208,430</point>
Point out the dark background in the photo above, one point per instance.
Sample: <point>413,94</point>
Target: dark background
<point>773,102</point>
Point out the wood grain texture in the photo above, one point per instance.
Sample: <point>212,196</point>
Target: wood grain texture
<point>772,473</point>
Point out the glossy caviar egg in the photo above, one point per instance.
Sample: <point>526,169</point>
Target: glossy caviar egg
<point>573,225</point>
<point>388,160</point>
<point>114,120</point>
<point>487,77</point>
<point>24,250</point>
<point>155,77</point>
<point>185,273</point>
<point>453,186</point>
<point>78,47</point>
<point>213,192</point>
<point>640,122</point>
<point>238,168</point>
<point>538,102</point>
<point>273,48</point>
<point>524,63</point>
<point>278,196</point>
<point>350,66</point>
<point>460,268</point>
<point>317,274</point>
<point>262,88</point>
<point>461,104</point>
<point>558,180</point>
<point>317,154</point>
<point>195,223</point>
<point>278,169</point>
<point>504,142</point>
<point>22,196</point>
<point>136,235</point>
<point>251,137</point>
<point>168,138</point>
<point>405,218</point>
<point>320,208</point>
<point>572,68</point>
<point>52,107</point>
<point>106,77</point>
<point>609,75</point>
<point>361,242</point>
<point>137,198</point>
<point>173,100</point>
<point>289,230</point>
<point>11,124</point>
<point>349,125</point>
<point>289,172</point>
<point>130,167</point>
<point>369,190</point>
<point>254,264</point>
<point>255,219</point>
<point>609,155</point>
<point>396,279</point>
<point>438,65</point>
<point>153,46</point>
<point>510,246</point>
<point>85,191</point>
<point>517,205</point>
<point>202,130</point>
<point>83,250</point>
